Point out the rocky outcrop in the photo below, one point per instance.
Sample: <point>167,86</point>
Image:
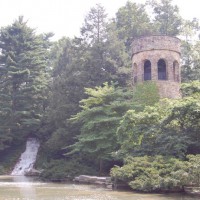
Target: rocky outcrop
<point>103,181</point>
<point>192,190</point>
<point>33,172</point>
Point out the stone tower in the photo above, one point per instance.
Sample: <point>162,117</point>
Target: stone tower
<point>157,58</point>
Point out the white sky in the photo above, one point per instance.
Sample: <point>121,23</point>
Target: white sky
<point>65,17</point>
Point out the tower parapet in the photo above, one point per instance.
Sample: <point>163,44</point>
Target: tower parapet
<point>157,58</point>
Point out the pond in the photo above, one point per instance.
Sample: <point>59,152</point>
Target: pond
<point>26,188</point>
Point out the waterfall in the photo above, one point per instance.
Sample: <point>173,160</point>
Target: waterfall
<point>28,158</point>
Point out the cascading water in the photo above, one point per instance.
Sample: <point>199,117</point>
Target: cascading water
<point>28,158</point>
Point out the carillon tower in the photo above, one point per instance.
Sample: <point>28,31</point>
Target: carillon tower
<point>157,58</point>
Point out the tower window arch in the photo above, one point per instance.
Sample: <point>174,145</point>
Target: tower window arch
<point>147,70</point>
<point>176,71</point>
<point>135,71</point>
<point>162,70</point>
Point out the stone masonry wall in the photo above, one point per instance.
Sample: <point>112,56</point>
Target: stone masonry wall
<point>155,42</point>
<point>169,89</point>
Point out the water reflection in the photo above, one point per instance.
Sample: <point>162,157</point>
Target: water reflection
<point>25,188</point>
<point>27,191</point>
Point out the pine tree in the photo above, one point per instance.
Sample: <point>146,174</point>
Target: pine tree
<point>132,21</point>
<point>167,19</point>
<point>106,53</point>
<point>23,80</point>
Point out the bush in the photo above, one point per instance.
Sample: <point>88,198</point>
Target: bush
<point>150,174</point>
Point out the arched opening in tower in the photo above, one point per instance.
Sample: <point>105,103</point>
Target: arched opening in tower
<point>162,70</point>
<point>135,73</point>
<point>176,71</point>
<point>147,70</point>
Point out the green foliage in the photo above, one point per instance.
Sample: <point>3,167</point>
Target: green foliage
<point>106,53</point>
<point>190,51</point>
<point>23,82</point>
<point>184,119</point>
<point>99,119</point>
<point>10,157</point>
<point>190,67</point>
<point>194,169</point>
<point>168,128</point>
<point>117,59</point>
<point>191,89</point>
<point>179,128</point>
<point>98,96</point>
<point>145,94</point>
<point>77,65</point>
<point>53,146</point>
<point>71,75</point>
<point>62,170</point>
<point>94,29</point>
<point>132,21</point>
<point>150,174</point>
<point>138,131</point>
<point>2,170</point>
<point>167,19</point>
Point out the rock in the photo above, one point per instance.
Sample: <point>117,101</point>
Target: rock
<point>33,172</point>
<point>110,187</point>
<point>99,183</point>
<point>103,181</point>
<point>192,190</point>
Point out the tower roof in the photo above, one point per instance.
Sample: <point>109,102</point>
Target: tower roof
<point>156,42</point>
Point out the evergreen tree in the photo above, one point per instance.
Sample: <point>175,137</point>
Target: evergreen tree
<point>132,21</point>
<point>167,19</point>
<point>94,34</point>
<point>118,62</point>
<point>94,28</point>
<point>106,53</point>
<point>23,81</point>
<point>66,88</point>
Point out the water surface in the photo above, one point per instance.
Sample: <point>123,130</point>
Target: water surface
<point>24,188</point>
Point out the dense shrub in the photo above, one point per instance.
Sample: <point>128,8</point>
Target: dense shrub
<point>150,174</point>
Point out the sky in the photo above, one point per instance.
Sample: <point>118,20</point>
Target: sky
<point>65,17</point>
